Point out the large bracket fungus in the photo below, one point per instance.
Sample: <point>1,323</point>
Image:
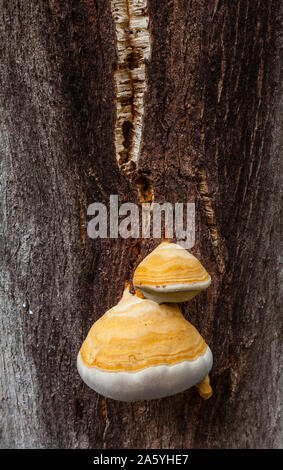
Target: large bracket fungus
<point>140,350</point>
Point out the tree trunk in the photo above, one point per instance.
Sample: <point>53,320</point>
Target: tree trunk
<point>209,113</point>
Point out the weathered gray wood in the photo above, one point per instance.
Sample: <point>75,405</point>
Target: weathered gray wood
<point>211,135</point>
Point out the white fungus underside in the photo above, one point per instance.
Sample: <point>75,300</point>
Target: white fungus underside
<point>173,292</point>
<point>149,383</point>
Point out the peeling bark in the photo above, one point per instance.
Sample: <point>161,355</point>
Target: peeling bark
<point>209,97</point>
<point>131,22</point>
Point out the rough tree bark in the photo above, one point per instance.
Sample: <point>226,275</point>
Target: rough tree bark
<point>211,136</point>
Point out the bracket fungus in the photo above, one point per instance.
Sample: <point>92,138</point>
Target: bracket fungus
<point>170,274</point>
<point>140,350</point>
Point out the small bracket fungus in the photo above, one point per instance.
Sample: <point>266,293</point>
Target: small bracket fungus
<point>170,274</point>
<point>140,350</point>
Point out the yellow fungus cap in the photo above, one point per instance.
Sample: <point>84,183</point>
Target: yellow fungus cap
<point>138,333</point>
<point>170,274</point>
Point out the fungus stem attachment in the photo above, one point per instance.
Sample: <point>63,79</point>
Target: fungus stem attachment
<point>204,389</point>
<point>139,294</point>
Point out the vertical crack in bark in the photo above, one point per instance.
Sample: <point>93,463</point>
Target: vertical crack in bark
<point>105,419</point>
<point>133,48</point>
<point>206,199</point>
<point>223,65</point>
<point>145,189</point>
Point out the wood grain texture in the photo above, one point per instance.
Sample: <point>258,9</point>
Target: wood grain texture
<point>211,135</point>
